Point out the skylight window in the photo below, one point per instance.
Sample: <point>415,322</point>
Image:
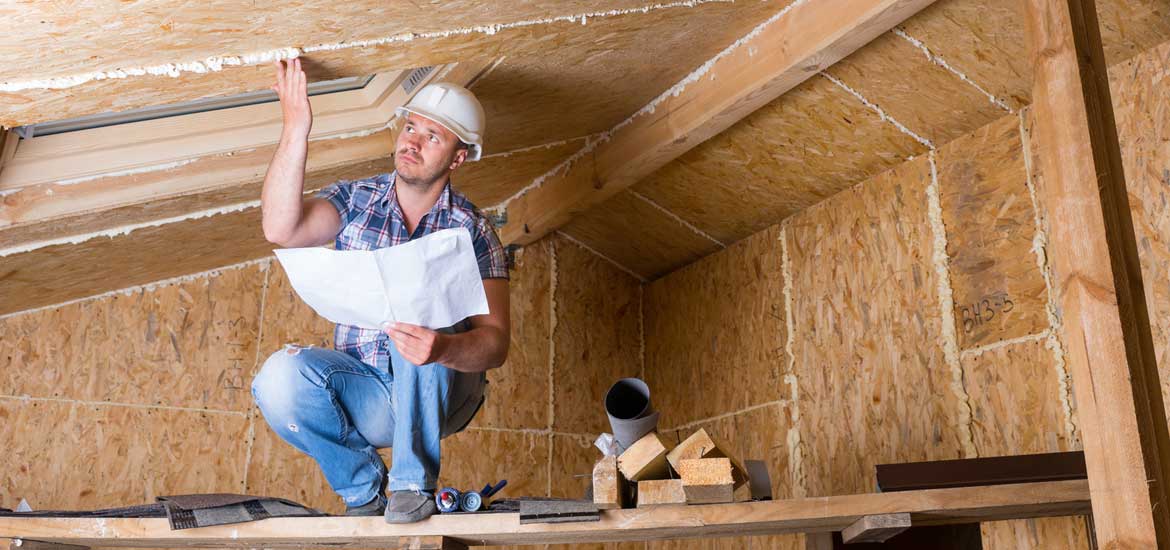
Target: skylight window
<point>184,108</point>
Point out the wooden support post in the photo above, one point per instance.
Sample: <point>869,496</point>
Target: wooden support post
<point>645,459</point>
<point>876,528</point>
<point>654,492</point>
<point>1105,325</point>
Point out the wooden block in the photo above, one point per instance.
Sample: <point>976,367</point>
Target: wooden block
<point>701,445</point>
<point>706,480</point>
<point>876,528</point>
<point>654,492</point>
<point>645,459</point>
<point>607,484</point>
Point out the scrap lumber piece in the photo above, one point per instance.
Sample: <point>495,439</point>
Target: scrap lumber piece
<point>702,445</point>
<point>557,511</point>
<point>656,492</point>
<point>876,528</point>
<point>607,484</point>
<point>1105,320</point>
<point>645,459</point>
<point>706,480</point>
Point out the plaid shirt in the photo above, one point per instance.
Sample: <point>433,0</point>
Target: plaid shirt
<point>371,218</point>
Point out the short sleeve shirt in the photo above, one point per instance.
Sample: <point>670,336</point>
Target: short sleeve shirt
<point>371,218</point>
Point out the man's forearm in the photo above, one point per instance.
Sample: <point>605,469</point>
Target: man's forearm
<point>477,350</point>
<point>281,197</point>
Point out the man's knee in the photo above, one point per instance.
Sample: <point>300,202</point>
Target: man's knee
<point>281,378</point>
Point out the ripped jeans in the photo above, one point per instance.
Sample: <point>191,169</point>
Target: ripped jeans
<point>339,410</point>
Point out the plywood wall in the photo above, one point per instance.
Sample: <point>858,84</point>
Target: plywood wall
<point>908,318</point>
<point>117,400</point>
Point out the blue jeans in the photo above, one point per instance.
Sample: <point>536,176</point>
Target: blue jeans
<point>339,410</point>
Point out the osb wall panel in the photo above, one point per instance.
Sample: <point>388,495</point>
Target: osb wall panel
<point>984,39</point>
<point>56,274</point>
<point>1018,406</point>
<point>896,74</point>
<point>1064,533</point>
<point>287,319</point>
<point>999,291</point>
<point>715,332</point>
<point>191,344</point>
<point>808,144</point>
<point>758,434</point>
<point>1018,401</point>
<point>519,390</point>
<point>494,178</point>
<point>874,386</point>
<point>85,456</point>
<point>596,336</point>
<point>635,234</point>
<point>1139,91</point>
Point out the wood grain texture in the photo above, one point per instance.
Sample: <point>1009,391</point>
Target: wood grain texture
<point>1017,406</point>
<point>769,62</point>
<point>985,39</point>
<point>1068,533</point>
<point>758,434</point>
<point>638,236</point>
<point>999,291</point>
<point>715,332</point>
<point>1098,277</point>
<point>191,344</point>
<point>1143,125</point>
<point>582,57</point>
<point>73,456</point>
<point>287,318</point>
<point>873,384</point>
<point>790,154</point>
<point>596,339</point>
<point>518,393</point>
<point>927,98</point>
<point>497,177</point>
<point>59,273</point>
<point>933,507</point>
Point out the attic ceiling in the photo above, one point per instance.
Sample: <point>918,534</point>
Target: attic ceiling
<point>553,75</point>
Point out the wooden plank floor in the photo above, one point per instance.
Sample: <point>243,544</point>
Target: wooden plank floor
<point>809,515</point>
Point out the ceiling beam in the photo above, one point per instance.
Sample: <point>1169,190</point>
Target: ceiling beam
<point>784,51</point>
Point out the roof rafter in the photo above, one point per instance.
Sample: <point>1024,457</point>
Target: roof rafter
<point>784,51</point>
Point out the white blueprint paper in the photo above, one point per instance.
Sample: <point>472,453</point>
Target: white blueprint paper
<point>432,281</point>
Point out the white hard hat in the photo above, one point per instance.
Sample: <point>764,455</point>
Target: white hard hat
<point>453,106</point>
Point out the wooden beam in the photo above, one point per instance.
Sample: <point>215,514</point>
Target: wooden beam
<point>645,459</point>
<point>657,492</point>
<point>608,485</point>
<point>1105,324</point>
<point>807,515</point>
<point>798,44</point>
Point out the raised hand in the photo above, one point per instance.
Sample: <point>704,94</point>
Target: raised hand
<point>292,87</point>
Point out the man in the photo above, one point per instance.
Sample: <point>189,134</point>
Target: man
<point>407,386</point>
